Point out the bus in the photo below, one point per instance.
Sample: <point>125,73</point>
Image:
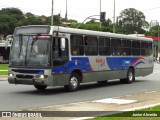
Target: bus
<point>4,53</point>
<point>44,56</point>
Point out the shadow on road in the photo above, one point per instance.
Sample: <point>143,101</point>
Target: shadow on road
<point>83,87</point>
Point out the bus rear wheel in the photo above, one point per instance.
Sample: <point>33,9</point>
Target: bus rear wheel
<point>130,77</point>
<point>40,87</point>
<point>74,83</point>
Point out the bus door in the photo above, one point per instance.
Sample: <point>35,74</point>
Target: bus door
<point>59,60</point>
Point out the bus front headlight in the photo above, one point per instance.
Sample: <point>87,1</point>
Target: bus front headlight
<point>10,75</point>
<point>42,76</point>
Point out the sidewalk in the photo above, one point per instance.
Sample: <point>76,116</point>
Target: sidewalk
<point>108,105</point>
<point>91,109</point>
<point>3,77</point>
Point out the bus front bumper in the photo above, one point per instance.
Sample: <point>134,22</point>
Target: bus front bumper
<point>13,80</point>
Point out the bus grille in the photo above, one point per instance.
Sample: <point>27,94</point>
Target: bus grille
<point>25,76</point>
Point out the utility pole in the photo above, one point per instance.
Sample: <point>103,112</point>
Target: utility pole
<point>114,27</point>
<point>52,13</point>
<point>66,12</point>
<point>100,14</point>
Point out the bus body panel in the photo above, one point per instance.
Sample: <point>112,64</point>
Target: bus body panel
<point>108,68</point>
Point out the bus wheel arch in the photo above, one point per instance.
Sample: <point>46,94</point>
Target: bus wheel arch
<point>77,71</point>
<point>74,81</point>
<point>130,76</point>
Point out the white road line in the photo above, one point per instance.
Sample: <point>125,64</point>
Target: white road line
<point>116,101</point>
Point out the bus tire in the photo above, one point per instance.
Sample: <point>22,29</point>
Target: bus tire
<point>40,87</point>
<point>130,77</point>
<point>74,82</point>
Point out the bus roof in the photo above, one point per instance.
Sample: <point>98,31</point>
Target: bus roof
<point>46,30</point>
<point>96,33</point>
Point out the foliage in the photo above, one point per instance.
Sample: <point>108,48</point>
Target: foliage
<point>153,31</point>
<point>132,20</point>
<point>129,21</point>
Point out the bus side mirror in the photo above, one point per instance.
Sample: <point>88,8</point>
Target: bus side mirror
<point>9,40</point>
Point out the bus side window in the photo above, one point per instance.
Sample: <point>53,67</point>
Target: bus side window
<point>91,45</point>
<point>77,46</point>
<point>126,47</point>
<point>116,46</point>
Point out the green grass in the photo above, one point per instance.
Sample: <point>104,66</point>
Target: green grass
<point>3,72</point>
<point>3,66</point>
<point>128,115</point>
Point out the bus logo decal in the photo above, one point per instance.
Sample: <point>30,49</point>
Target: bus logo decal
<point>126,62</point>
<point>138,61</point>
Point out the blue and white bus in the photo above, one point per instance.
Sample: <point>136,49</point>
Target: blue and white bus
<point>58,56</point>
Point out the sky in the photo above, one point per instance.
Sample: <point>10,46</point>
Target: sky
<point>81,9</point>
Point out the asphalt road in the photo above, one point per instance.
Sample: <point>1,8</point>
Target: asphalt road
<point>22,97</point>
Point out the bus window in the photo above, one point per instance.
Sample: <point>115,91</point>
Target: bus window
<point>136,48</point>
<point>126,47</point>
<point>144,48</point>
<point>104,46</point>
<point>116,46</point>
<point>91,45</point>
<point>150,48</point>
<point>77,46</point>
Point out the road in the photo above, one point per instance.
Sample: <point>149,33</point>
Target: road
<point>22,97</point>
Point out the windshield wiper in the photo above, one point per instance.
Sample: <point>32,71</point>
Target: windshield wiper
<point>20,43</point>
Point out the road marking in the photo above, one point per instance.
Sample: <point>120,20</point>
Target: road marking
<point>115,101</point>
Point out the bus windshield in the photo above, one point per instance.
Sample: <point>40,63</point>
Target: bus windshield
<point>30,51</point>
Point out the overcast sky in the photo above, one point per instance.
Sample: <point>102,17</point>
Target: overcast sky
<point>80,9</point>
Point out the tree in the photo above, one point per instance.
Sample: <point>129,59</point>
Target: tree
<point>14,12</point>
<point>7,24</point>
<point>9,18</point>
<point>28,14</point>
<point>153,31</point>
<point>132,20</point>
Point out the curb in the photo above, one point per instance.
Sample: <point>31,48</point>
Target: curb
<point>3,77</point>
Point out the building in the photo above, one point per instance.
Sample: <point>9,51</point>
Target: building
<point>154,23</point>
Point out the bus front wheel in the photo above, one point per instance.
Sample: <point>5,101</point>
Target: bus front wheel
<point>74,83</point>
<point>40,87</point>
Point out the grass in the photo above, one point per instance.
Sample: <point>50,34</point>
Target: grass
<point>129,115</point>
<point>3,72</point>
<point>3,67</point>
